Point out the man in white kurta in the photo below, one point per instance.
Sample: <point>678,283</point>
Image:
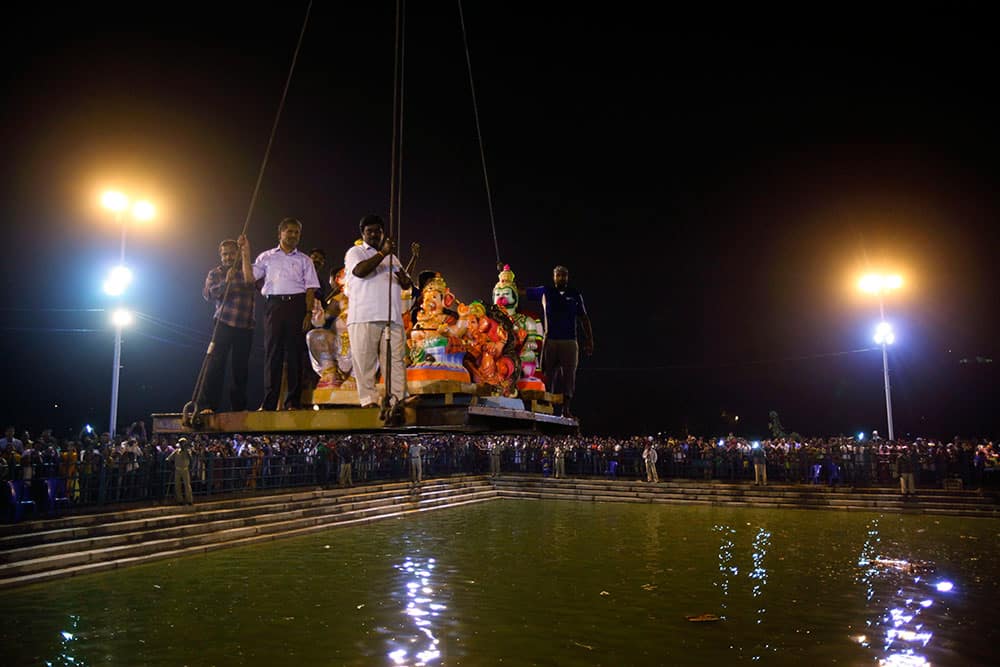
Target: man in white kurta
<point>374,287</point>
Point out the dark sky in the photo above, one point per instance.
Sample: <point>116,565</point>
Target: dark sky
<point>714,182</point>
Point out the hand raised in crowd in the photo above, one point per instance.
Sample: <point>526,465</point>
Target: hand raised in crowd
<point>415,249</point>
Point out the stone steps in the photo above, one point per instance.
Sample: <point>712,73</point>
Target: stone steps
<point>150,518</point>
<point>173,537</point>
<point>744,495</point>
<point>49,549</point>
<point>210,524</point>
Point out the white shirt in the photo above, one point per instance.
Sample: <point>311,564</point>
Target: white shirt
<point>285,273</point>
<point>368,296</point>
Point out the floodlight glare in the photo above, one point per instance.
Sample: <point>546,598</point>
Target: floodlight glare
<point>119,278</point>
<point>143,211</point>
<point>114,201</point>
<point>121,318</point>
<point>884,334</point>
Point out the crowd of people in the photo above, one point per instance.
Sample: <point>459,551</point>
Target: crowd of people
<point>96,469</point>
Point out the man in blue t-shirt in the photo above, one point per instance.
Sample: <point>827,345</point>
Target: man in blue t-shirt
<point>563,307</point>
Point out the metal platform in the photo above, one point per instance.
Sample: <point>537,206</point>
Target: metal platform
<point>285,421</point>
<point>423,413</point>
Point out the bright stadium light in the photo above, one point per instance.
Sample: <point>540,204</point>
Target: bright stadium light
<point>115,201</point>
<point>879,284</point>
<point>119,278</point>
<point>139,211</point>
<point>884,334</point>
<point>143,211</point>
<point>121,318</point>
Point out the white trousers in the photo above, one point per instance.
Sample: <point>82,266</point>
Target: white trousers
<point>368,352</point>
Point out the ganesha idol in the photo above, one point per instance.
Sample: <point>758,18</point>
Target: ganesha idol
<point>329,344</point>
<point>436,340</point>
<point>528,330</point>
<point>491,346</point>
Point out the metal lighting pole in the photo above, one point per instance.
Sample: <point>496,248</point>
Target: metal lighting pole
<point>880,284</point>
<point>886,339</point>
<point>116,368</point>
<point>115,372</point>
<point>116,284</point>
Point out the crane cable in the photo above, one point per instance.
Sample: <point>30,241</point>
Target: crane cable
<point>479,135</point>
<point>389,405</point>
<point>190,410</point>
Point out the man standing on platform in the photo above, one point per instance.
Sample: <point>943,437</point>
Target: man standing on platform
<point>563,307</point>
<point>373,285</point>
<point>233,296</point>
<point>289,285</point>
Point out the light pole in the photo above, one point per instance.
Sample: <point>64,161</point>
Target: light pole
<point>118,280</point>
<point>878,284</point>
<point>120,318</point>
<point>885,337</point>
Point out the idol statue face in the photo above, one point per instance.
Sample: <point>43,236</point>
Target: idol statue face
<point>432,302</point>
<point>506,298</point>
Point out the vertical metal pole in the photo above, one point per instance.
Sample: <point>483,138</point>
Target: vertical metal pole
<point>888,396</point>
<point>118,345</point>
<point>885,373</point>
<point>121,222</point>
<point>114,379</point>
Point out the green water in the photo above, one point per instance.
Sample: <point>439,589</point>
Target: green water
<point>540,583</point>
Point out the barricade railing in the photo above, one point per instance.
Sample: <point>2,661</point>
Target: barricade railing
<point>46,489</point>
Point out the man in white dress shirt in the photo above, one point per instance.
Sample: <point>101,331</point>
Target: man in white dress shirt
<point>289,285</point>
<point>373,284</point>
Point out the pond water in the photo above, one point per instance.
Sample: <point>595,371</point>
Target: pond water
<point>543,583</point>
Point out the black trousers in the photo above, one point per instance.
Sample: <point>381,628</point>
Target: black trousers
<point>284,342</point>
<point>235,342</point>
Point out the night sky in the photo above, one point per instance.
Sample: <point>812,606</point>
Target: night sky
<point>715,183</point>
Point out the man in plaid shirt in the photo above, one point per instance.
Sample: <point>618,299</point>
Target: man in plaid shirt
<point>235,328</point>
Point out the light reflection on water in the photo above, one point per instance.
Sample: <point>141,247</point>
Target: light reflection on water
<point>899,592</point>
<point>543,583</point>
<point>417,644</point>
<point>67,641</point>
<point>727,567</point>
<point>757,574</point>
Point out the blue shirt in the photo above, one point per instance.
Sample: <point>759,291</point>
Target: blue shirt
<point>561,307</point>
<point>285,272</point>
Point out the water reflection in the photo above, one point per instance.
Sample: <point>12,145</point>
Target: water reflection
<point>758,575</point>
<point>727,566</point>
<point>67,644</point>
<point>900,593</point>
<point>421,608</point>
